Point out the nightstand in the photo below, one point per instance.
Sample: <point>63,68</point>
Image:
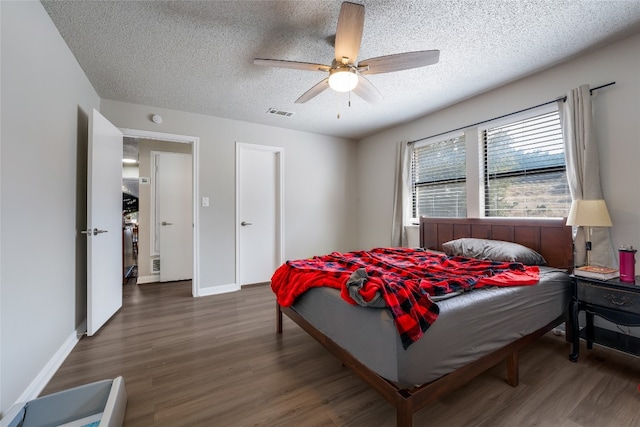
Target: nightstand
<point>616,301</point>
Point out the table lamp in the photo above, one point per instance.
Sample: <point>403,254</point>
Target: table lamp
<point>589,213</point>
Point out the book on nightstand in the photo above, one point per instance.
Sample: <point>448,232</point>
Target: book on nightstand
<point>595,272</point>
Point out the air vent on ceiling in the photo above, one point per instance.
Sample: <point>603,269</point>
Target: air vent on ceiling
<point>279,112</point>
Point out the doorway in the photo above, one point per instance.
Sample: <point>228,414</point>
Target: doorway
<point>259,208</point>
<point>130,208</point>
<point>149,265</point>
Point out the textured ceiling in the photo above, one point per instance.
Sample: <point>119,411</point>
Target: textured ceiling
<point>197,56</point>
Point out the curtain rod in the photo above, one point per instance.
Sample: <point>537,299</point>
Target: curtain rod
<point>563,99</point>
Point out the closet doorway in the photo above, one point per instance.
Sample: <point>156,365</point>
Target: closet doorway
<point>154,149</point>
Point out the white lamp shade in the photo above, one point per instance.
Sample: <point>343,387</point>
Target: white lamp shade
<point>589,213</point>
<point>343,79</point>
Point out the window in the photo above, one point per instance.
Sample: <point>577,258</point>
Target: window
<point>438,179</point>
<point>517,169</point>
<point>524,168</point>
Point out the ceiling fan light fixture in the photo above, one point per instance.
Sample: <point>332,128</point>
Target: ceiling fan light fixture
<point>343,79</point>
<point>346,73</point>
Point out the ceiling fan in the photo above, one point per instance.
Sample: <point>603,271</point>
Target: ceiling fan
<point>345,73</point>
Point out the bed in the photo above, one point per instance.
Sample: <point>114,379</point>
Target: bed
<point>473,332</point>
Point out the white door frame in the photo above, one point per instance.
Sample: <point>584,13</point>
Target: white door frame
<point>279,153</point>
<point>195,149</point>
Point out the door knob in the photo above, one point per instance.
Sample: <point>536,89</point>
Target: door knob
<point>96,231</point>
<point>166,223</point>
<point>245,223</point>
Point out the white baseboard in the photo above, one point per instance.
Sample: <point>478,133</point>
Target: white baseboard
<point>45,375</point>
<point>148,279</point>
<point>215,290</point>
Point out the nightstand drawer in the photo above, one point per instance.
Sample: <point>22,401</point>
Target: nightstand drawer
<point>617,299</point>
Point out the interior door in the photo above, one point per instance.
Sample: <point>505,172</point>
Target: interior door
<point>104,222</point>
<point>259,212</point>
<point>174,217</point>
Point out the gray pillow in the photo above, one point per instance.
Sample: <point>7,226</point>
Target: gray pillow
<point>495,250</point>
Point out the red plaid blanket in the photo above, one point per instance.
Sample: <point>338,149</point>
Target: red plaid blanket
<point>405,277</point>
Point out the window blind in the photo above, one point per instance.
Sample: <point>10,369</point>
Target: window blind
<point>524,169</point>
<point>439,179</point>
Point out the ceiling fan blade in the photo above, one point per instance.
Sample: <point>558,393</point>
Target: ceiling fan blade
<point>314,91</point>
<point>349,32</point>
<point>367,91</point>
<point>291,64</point>
<point>399,61</point>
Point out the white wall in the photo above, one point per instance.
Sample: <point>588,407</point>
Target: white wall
<point>319,188</point>
<point>617,122</point>
<point>46,99</point>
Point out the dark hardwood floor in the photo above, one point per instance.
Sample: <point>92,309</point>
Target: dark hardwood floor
<point>217,361</point>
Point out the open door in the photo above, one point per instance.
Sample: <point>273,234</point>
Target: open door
<point>104,222</point>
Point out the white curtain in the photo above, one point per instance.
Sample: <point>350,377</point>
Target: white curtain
<point>583,171</point>
<point>402,194</point>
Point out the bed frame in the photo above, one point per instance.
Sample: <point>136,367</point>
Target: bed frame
<point>551,238</point>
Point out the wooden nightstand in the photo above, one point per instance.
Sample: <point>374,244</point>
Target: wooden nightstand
<point>616,301</point>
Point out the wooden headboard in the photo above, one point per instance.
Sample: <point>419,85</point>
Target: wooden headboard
<point>551,238</point>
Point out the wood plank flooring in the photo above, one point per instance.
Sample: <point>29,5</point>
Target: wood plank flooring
<point>217,361</point>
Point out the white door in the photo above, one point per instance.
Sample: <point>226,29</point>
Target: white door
<point>259,212</point>
<point>174,217</point>
<point>104,222</point>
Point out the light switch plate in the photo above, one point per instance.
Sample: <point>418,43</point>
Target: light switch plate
<point>205,202</point>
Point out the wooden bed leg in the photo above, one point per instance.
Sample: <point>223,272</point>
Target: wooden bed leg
<point>513,377</point>
<point>278,319</point>
<point>404,412</point>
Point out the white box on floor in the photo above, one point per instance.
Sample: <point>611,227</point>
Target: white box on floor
<point>103,402</point>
